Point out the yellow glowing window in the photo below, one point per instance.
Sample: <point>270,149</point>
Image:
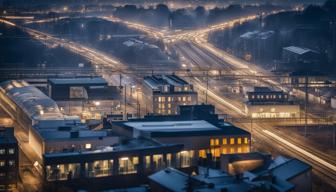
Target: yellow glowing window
<point>224,150</point>
<point>169,99</point>
<point>212,142</point>
<point>239,149</point>
<point>169,105</point>
<point>246,140</point>
<point>184,98</point>
<point>224,141</point>
<point>239,141</point>
<point>217,152</point>
<point>202,153</point>
<point>216,141</point>
<point>232,150</point>
<point>232,142</point>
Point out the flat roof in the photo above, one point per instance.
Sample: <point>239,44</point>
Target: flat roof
<point>298,50</point>
<point>78,81</point>
<point>155,81</point>
<point>172,126</point>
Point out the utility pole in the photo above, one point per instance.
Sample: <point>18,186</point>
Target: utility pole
<point>207,87</point>
<point>306,104</point>
<point>125,102</point>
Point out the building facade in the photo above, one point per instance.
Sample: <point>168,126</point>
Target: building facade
<point>266,103</point>
<point>168,92</point>
<point>9,160</point>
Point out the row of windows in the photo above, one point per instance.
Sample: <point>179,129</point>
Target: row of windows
<point>10,163</point>
<point>10,151</point>
<point>126,165</point>
<point>170,99</point>
<point>231,141</point>
<point>268,96</point>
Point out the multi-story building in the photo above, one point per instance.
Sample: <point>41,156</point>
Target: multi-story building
<point>87,97</point>
<point>264,102</point>
<point>196,127</point>
<point>168,92</point>
<point>9,160</point>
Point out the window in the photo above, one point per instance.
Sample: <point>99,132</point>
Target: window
<point>185,158</point>
<point>216,141</point>
<point>232,142</point>
<point>202,153</point>
<point>184,99</point>
<point>11,151</point>
<point>169,159</point>
<point>147,162</point>
<point>88,146</point>
<point>169,105</point>
<point>99,168</point>
<point>212,142</point>
<point>246,140</point>
<point>163,99</point>
<point>62,171</point>
<point>2,151</point>
<point>2,174</point>
<point>11,163</point>
<point>158,161</point>
<point>224,141</point>
<point>239,150</point>
<point>239,141</point>
<point>2,163</point>
<point>189,98</point>
<point>128,165</point>
<point>232,150</point>
<point>169,99</point>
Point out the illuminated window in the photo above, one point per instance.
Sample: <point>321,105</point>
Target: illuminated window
<point>159,99</point>
<point>158,161</point>
<point>239,141</point>
<point>11,151</point>
<point>169,159</point>
<point>202,153</point>
<point>163,99</point>
<point>212,142</point>
<point>147,162</point>
<point>239,150</point>
<point>179,98</point>
<point>224,141</point>
<point>224,150</point>
<point>169,105</point>
<point>2,151</point>
<point>169,99</point>
<point>88,146</point>
<point>232,142</point>
<point>184,99</point>
<point>246,140</point>
<point>169,111</point>
<point>2,163</point>
<point>189,98</point>
<point>232,150</point>
<point>216,141</point>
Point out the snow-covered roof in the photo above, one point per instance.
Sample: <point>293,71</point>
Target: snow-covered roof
<point>31,100</point>
<point>298,50</point>
<point>172,126</point>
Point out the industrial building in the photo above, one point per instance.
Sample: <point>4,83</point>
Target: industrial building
<point>264,102</point>
<point>168,92</point>
<point>87,97</point>
<point>9,160</point>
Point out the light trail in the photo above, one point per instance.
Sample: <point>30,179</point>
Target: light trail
<point>301,150</point>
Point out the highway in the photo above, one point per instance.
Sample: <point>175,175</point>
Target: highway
<point>196,52</point>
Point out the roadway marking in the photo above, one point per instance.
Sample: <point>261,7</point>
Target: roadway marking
<point>308,154</point>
